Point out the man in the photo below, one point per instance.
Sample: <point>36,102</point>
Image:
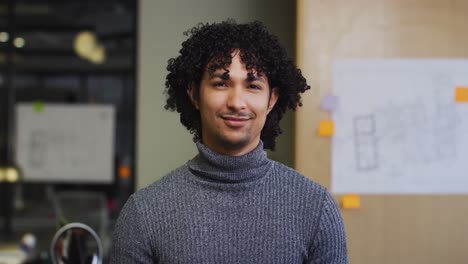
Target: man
<point>231,84</point>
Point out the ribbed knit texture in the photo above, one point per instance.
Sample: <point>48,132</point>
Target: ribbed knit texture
<point>224,209</point>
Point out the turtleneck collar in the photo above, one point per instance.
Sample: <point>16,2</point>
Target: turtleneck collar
<point>215,167</point>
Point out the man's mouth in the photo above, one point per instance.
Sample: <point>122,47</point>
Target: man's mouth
<point>236,118</point>
<point>235,121</point>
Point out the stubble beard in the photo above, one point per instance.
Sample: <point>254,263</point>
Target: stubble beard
<point>229,143</point>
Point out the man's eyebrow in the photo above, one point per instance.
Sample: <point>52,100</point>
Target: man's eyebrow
<point>224,75</point>
<point>252,78</point>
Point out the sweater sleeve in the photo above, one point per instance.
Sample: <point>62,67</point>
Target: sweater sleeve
<point>130,243</point>
<point>329,244</point>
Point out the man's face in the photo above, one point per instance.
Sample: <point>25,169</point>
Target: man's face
<point>233,107</point>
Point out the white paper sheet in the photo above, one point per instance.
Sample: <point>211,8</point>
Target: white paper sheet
<point>398,127</point>
<point>65,143</point>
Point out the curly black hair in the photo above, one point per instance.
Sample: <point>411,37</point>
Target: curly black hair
<point>209,47</point>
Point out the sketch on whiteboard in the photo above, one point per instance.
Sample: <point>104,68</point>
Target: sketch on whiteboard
<point>365,143</point>
<point>398,127</point>
<point>66,143</point>
<point>37,148</point>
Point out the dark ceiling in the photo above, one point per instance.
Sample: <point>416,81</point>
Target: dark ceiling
<point>50,27</point>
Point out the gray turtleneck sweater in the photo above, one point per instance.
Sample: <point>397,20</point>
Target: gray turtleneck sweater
<point>225,209</point>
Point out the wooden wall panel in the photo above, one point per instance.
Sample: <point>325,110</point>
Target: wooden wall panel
<point>387,229</point>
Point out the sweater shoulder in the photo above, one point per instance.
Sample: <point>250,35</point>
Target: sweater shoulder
<point>292,176</point>
<point>164,186</point>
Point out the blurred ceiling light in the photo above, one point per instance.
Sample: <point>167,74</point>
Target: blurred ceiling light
<point>19,42</point>
<point>98,55</point>
<point>4,36</point>
<point>87,47</point>
<point>85,42</point>
<point>9,174</point>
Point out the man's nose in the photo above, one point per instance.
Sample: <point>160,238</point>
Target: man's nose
<point>236,100</point>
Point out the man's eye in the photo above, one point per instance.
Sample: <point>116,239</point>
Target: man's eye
<point>219,84</point>
<point>253,86</point>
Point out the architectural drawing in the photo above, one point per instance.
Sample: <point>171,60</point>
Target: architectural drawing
<point>398,127</point>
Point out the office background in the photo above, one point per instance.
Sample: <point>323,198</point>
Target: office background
<point>386,229</point>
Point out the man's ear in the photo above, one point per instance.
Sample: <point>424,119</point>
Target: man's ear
<point>192,92</point>
<point>274,94</point>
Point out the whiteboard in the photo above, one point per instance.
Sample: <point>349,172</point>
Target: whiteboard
<point>398,127</point>
<point>65,143</point>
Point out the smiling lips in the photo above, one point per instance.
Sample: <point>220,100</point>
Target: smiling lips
<point>235,121</point>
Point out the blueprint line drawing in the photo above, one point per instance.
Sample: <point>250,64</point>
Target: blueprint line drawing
<point>365,142</point>
<point>398,129</point>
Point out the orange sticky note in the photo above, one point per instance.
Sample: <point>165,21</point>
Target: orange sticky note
<point>124,171</point>
<point>351,201</point>
<point>326,128</point>
<point>461,94</point>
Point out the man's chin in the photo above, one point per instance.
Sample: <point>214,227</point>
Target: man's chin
<point>235,144</point>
